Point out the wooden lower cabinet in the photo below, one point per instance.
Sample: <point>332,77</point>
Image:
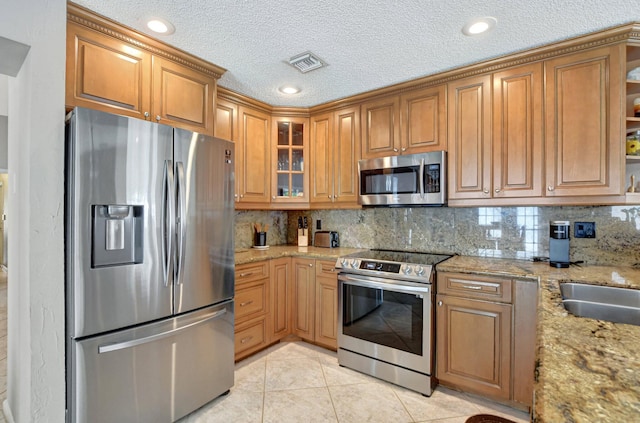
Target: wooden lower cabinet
<point>474,345</point>
<point>281,298</point>
<point>326,304</point>
<point>315,301</point>
<point>251,308</point>
<point>486,335</point>
<point>285,296</point>
<point>304,297</point>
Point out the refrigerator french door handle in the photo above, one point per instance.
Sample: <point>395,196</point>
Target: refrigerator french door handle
<point>182,221</point>
<point>135,342</point>
<point>168,221</point>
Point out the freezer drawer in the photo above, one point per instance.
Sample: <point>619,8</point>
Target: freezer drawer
<point>154,373</point>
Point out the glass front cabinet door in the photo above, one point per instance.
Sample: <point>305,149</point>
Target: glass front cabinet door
<point>291,177</point>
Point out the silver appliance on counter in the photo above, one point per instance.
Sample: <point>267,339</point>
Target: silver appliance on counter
<point>149,262</point>
<point>386,316</point>
<point>407,180</point>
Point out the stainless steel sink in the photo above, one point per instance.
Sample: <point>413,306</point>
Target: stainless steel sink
<point>619,305</point>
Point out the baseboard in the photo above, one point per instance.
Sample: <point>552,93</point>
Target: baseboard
<point>6,410</point>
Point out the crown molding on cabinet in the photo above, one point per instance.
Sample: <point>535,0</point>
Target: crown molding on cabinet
<point>101,24</point>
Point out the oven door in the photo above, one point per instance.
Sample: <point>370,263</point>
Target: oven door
<point>386,319</point>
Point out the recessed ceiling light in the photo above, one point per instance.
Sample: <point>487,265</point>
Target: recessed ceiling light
<point>288,89</point>
<point>479,25</point>
<point>160,26</point>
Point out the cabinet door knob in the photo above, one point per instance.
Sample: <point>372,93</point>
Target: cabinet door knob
<point>404,149</point>
<point>158,118</point>
<point>310,264</point>
<point>335,196</point>
<point>395,150</point>
<point>329,196</point>
<point>241,195</point>
<point>273,197</point>
<point>146,114</point>
<point>439,303</point>
<point>497,190</point>
<point>485,191</point>
<point>549,188</point>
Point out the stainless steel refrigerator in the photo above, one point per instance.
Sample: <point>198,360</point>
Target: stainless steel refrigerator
<point>149,269</point>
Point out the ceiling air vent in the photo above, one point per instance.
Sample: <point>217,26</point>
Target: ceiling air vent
<point>306,62</point>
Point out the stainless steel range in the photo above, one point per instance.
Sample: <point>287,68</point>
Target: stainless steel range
<point>386,316</point>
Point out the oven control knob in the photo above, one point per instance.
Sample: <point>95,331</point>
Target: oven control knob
<point>354,264</point>
<point>408,270</point>
<point>343,262</point>
<point>419,270</point>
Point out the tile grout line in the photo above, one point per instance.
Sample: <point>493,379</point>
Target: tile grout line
<point>324,376</point>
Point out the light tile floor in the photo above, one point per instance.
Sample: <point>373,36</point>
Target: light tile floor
<point>299,382</point>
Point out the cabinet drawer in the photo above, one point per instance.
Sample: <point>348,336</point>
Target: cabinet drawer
<point>325,268</point>
<point>251,272</point>
<point>251,300</point>
<point>474,286</point>
<point>251,335</point>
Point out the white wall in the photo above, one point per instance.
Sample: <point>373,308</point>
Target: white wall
<point>35,364</point>
<point>4,101</point>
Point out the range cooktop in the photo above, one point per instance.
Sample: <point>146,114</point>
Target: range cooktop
<point>414,266</point>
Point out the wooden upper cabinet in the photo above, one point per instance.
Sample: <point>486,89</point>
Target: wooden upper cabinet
<point>423,120</point>
<point>518,132</point>
<point>106,74</point>
<point>253,170</point>
<point>583,123</point>
<point>469,118</point>
<point>182,97</point>
<point>226,124</point>
<point>321,150</point>
<point>117,70</point>
<point>380,129</point>
<point>346,153</point>
<point>290,160</point>
<point>334,150</point>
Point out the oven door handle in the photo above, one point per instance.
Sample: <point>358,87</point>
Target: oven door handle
<point>386,284</point>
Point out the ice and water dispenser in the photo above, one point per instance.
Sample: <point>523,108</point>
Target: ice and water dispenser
<point>116,235</point>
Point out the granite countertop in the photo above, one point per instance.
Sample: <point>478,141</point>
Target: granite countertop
<point>587,370</point>
<point>250,255</point>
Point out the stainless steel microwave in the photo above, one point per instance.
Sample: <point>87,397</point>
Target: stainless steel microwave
<point>409,180</point>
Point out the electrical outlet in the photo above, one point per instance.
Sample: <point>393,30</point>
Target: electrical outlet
<point>584,230</point>
<point>318,224</point>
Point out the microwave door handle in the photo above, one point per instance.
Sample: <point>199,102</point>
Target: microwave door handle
<point>421,178</point>
<point>168,221</point>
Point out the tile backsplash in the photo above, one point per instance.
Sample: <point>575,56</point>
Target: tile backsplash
<point>507,232</point>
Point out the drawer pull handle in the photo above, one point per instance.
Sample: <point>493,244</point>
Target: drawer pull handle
<point>247,339</point>
<point>471,287</point>
<point>246,303</point>
<point>242,275</point>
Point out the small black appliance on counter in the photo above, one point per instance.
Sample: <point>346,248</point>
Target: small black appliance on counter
<point>559,243</point>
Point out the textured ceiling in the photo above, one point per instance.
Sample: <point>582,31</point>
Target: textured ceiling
<point>367,44</point>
